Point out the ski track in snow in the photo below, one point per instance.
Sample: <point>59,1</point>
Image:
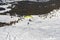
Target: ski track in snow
<point>40,28</point>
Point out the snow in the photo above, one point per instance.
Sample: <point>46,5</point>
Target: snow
<point>25,0</point>
<point>45,27</point>
<point>5,7</point>
<point>7,18</point>
<point>6,10</point>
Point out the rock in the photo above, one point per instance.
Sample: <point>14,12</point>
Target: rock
<point>34,8</point>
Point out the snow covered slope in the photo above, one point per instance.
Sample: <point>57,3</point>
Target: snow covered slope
<point>42,27</point>
<point>7,18</point>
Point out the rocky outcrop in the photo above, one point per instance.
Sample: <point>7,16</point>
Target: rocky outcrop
<point>34,8</point>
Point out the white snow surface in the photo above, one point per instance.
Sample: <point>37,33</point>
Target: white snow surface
<point>5,6</point>
<point>7,18</point>
<point>45,27</point>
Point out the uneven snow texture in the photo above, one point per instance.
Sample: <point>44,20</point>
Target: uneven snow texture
<point>45,27</point>
<point>7,18</point>
<point>25,0</point>
<point>5,7</point>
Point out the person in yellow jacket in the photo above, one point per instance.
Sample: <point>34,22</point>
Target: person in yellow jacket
<point>28,16</point>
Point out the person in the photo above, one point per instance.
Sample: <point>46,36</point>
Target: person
<point>30,20</point>
<point>28,23</point>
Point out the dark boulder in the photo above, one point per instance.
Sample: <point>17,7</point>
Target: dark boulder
<point>34,8</point>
